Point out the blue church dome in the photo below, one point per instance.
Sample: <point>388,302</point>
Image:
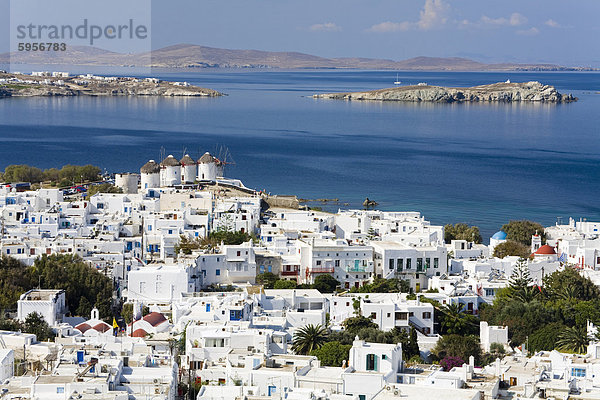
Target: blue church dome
<point>500,235</point>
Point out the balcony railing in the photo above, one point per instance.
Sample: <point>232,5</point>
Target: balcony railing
<point>356,268</point>
<point>290,273</point>
<point>321,270</point>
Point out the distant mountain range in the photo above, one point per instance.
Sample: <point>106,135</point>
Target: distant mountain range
<point>195,56</point>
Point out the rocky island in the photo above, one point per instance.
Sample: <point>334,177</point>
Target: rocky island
<point>497,92</point>
<point>62,84</point>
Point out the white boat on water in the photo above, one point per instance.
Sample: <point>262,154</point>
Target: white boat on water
<point>397,82</point>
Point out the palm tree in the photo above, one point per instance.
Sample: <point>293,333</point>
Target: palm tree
<point>309,338</point>
<point>569,293</point>
<point>526,294</point>
<point>455,320</point>
<point>573,338</point>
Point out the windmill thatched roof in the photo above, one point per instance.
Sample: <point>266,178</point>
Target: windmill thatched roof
<point>170,161</point>
<point>151,167</point>
<point>187,160</point>
<point>206,158</point>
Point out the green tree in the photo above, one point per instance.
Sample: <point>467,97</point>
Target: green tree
<point>308,338</point>
<point>7,324</point>
<point>569,284</point>
<point>267,279</point>
<point>228,237</point>
<point>455,321</point>
<point>461,232</point>
<point>325,283</point>
<point>332,354</point>
<point>84,286</point>
<point>51,174</point>
<point>522,231</point>
<point>23,173</point>
<point>381,285</point>
<point>545,338</point>
<point>90,173</point>
<point>411,348</point>
<point>522,319</point>
<point>35,323</point>
<point>70,173</point>
<point>127,312</point>
<point>573,338</point>
<point>103,188</point>
<point>284,284</point>
<point>458,346</point>
<point>520,283</point>
<point>353,324</point>
<point>187,245</point>
<point>511,248</point>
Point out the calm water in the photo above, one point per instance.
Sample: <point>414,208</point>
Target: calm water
<point>477,163</point>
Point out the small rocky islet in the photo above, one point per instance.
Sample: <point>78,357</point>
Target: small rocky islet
<point>506,92</point>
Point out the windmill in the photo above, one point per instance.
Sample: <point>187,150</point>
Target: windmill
<point>224,157</point>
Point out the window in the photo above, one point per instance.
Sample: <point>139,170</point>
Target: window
<point>436,262</point>
<point>218,272</point>
<point>318,262</point>
<point>373,315</point>
<point>399,264</point>
<point>235,315</point>
<point>391,263</point>
<point>60,389</point>
<point>489,292</point>
<point>371,362</point>
<point>427,263</point>
<point>419,264</point>
<point>337,263</point>
<point>578,372</point>
<point>408,262</point>
<point>389,315</point>
<point>426,315</point>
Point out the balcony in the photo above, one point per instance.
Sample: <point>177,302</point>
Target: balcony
<point>356,268</point>
<point>290,273</point>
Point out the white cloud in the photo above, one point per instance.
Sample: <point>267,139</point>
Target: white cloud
<point>529,32</point>
<point>552,23</point>
<point>515,19</point>
<point>389,26</point>
<point>326,27</point>
<point>433,15</point>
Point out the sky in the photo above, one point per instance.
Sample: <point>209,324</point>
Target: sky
<point>555,31</point>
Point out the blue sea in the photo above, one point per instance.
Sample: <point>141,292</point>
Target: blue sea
<point>482,164</point>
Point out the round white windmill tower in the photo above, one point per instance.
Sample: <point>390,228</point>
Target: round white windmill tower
<point>188,169</point>
<point>127,182</point>
<point>207,168</point>
<point>150,175</point>
<point>170,171</point>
